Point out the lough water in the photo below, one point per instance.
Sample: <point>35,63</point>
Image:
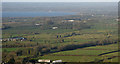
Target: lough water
<point>35,14</point>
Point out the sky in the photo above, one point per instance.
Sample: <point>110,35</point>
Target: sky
<point>60,0</point>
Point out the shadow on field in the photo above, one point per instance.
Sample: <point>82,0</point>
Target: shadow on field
<point>108,52</point>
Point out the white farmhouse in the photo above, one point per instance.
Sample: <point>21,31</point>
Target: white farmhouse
<point>54,28</point>
<point>117,19</point>
<point>57,61</point>
<point>70,20</point>
<point>37,24</point>
<point>43,60</point>
<point>92,15</point>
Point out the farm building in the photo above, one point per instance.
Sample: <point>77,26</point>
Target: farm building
<point>37,24</point>
<point>18,38</point>
<point>92,15</point>
<point>57,61</point>
<point>71,20</point>
<point>14,39</point>
<point>49,61</point>
<point>54,27</point>
<point>44,61</point>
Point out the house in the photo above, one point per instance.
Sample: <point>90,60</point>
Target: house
<point>47,61</point>
<point>44,61</point>
<point>92,15</point>
<point>84,21</point>
<point>54,28</point>
<point>1,39</point>
<point>18,38</point>
<point>37,24</point>
<point>117,19</point>
<point>71,20</point>
<point>89,19</point>
<point>57,61</point>
<point>14,39</point>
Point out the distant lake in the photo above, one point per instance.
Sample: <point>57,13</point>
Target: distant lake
<point>35,14</point>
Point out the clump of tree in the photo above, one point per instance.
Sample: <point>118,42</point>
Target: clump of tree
<point>5,27</point>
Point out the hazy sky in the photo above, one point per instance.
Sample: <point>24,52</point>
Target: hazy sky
<point>60,0</point>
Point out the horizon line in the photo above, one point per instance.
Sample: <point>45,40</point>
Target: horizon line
<point>76,2</point>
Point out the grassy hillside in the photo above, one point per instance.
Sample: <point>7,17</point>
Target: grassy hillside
<point>88,54</point>
<point>86,40</point>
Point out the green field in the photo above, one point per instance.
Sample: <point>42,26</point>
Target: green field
<point>88,54</point>
<point>82,42</point>
<point>10,49</point>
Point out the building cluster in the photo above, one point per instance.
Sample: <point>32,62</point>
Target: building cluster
<point>54,28</point>
<point>14,39</point>
<point>71,20</point>
<point>49,61</point>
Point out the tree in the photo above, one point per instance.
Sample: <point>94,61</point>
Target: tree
<point>11,61</point>
<point>19,52</point>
